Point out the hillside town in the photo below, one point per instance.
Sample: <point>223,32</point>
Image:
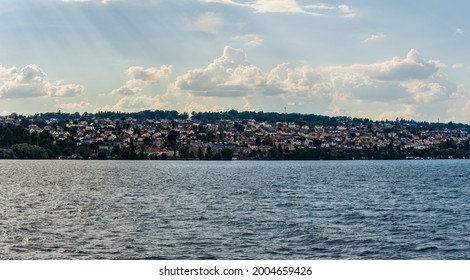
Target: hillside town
<point>91,136</point>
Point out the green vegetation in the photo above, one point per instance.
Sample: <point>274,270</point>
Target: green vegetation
<point>169,135</point>
<point>351,154</point>
<point>27,151</point>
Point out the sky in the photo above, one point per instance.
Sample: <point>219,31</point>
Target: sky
<point>370,59</point>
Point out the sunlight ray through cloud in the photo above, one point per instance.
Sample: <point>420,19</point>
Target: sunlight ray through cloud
<point>317,56</point>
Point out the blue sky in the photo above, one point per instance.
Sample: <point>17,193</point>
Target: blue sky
<point>374,59</point>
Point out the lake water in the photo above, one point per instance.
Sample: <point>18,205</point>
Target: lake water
<point>235,210</point>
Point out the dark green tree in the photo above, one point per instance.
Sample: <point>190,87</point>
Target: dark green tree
<point>200,153</point>
<point>184,151</point>
<point>53,150</point>
<point>84,151</point>
<point>208,154</point>
<point>125,153</point>
<point>67,151</point>
<point>226,154</point>
<point>103,154</point>
<point>94,146</point>
<point>27,151</point>
<point>142,151</point>
<point>210,136</point>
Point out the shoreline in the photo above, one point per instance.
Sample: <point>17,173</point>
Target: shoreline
<point>233,160</point>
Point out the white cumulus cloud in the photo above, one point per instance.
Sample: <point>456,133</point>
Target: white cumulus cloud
<point>31,81</point>
<point>126,90</point>
<point>142,76</point>
<point>65,90</point>
<point>229,76</point>
<point>250,40</point>
<point>407,86</point>
<point>289,6</point>
<point>197,107</point>
<point>405,111</point>
<point>343,10</point>
<point>412,67</point>
<point>6,72</point>
<point>150,75</point>
<point>133,104</point>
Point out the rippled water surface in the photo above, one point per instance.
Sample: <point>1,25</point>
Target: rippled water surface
<point>235,210</point>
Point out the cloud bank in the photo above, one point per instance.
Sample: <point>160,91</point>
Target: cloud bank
<point>405,87</point>
<point>30,82</point>
<point>411,82</point>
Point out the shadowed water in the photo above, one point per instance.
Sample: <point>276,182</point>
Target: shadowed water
<point>235,210</point>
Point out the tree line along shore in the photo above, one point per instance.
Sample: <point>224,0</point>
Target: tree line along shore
<point>163,135</point>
